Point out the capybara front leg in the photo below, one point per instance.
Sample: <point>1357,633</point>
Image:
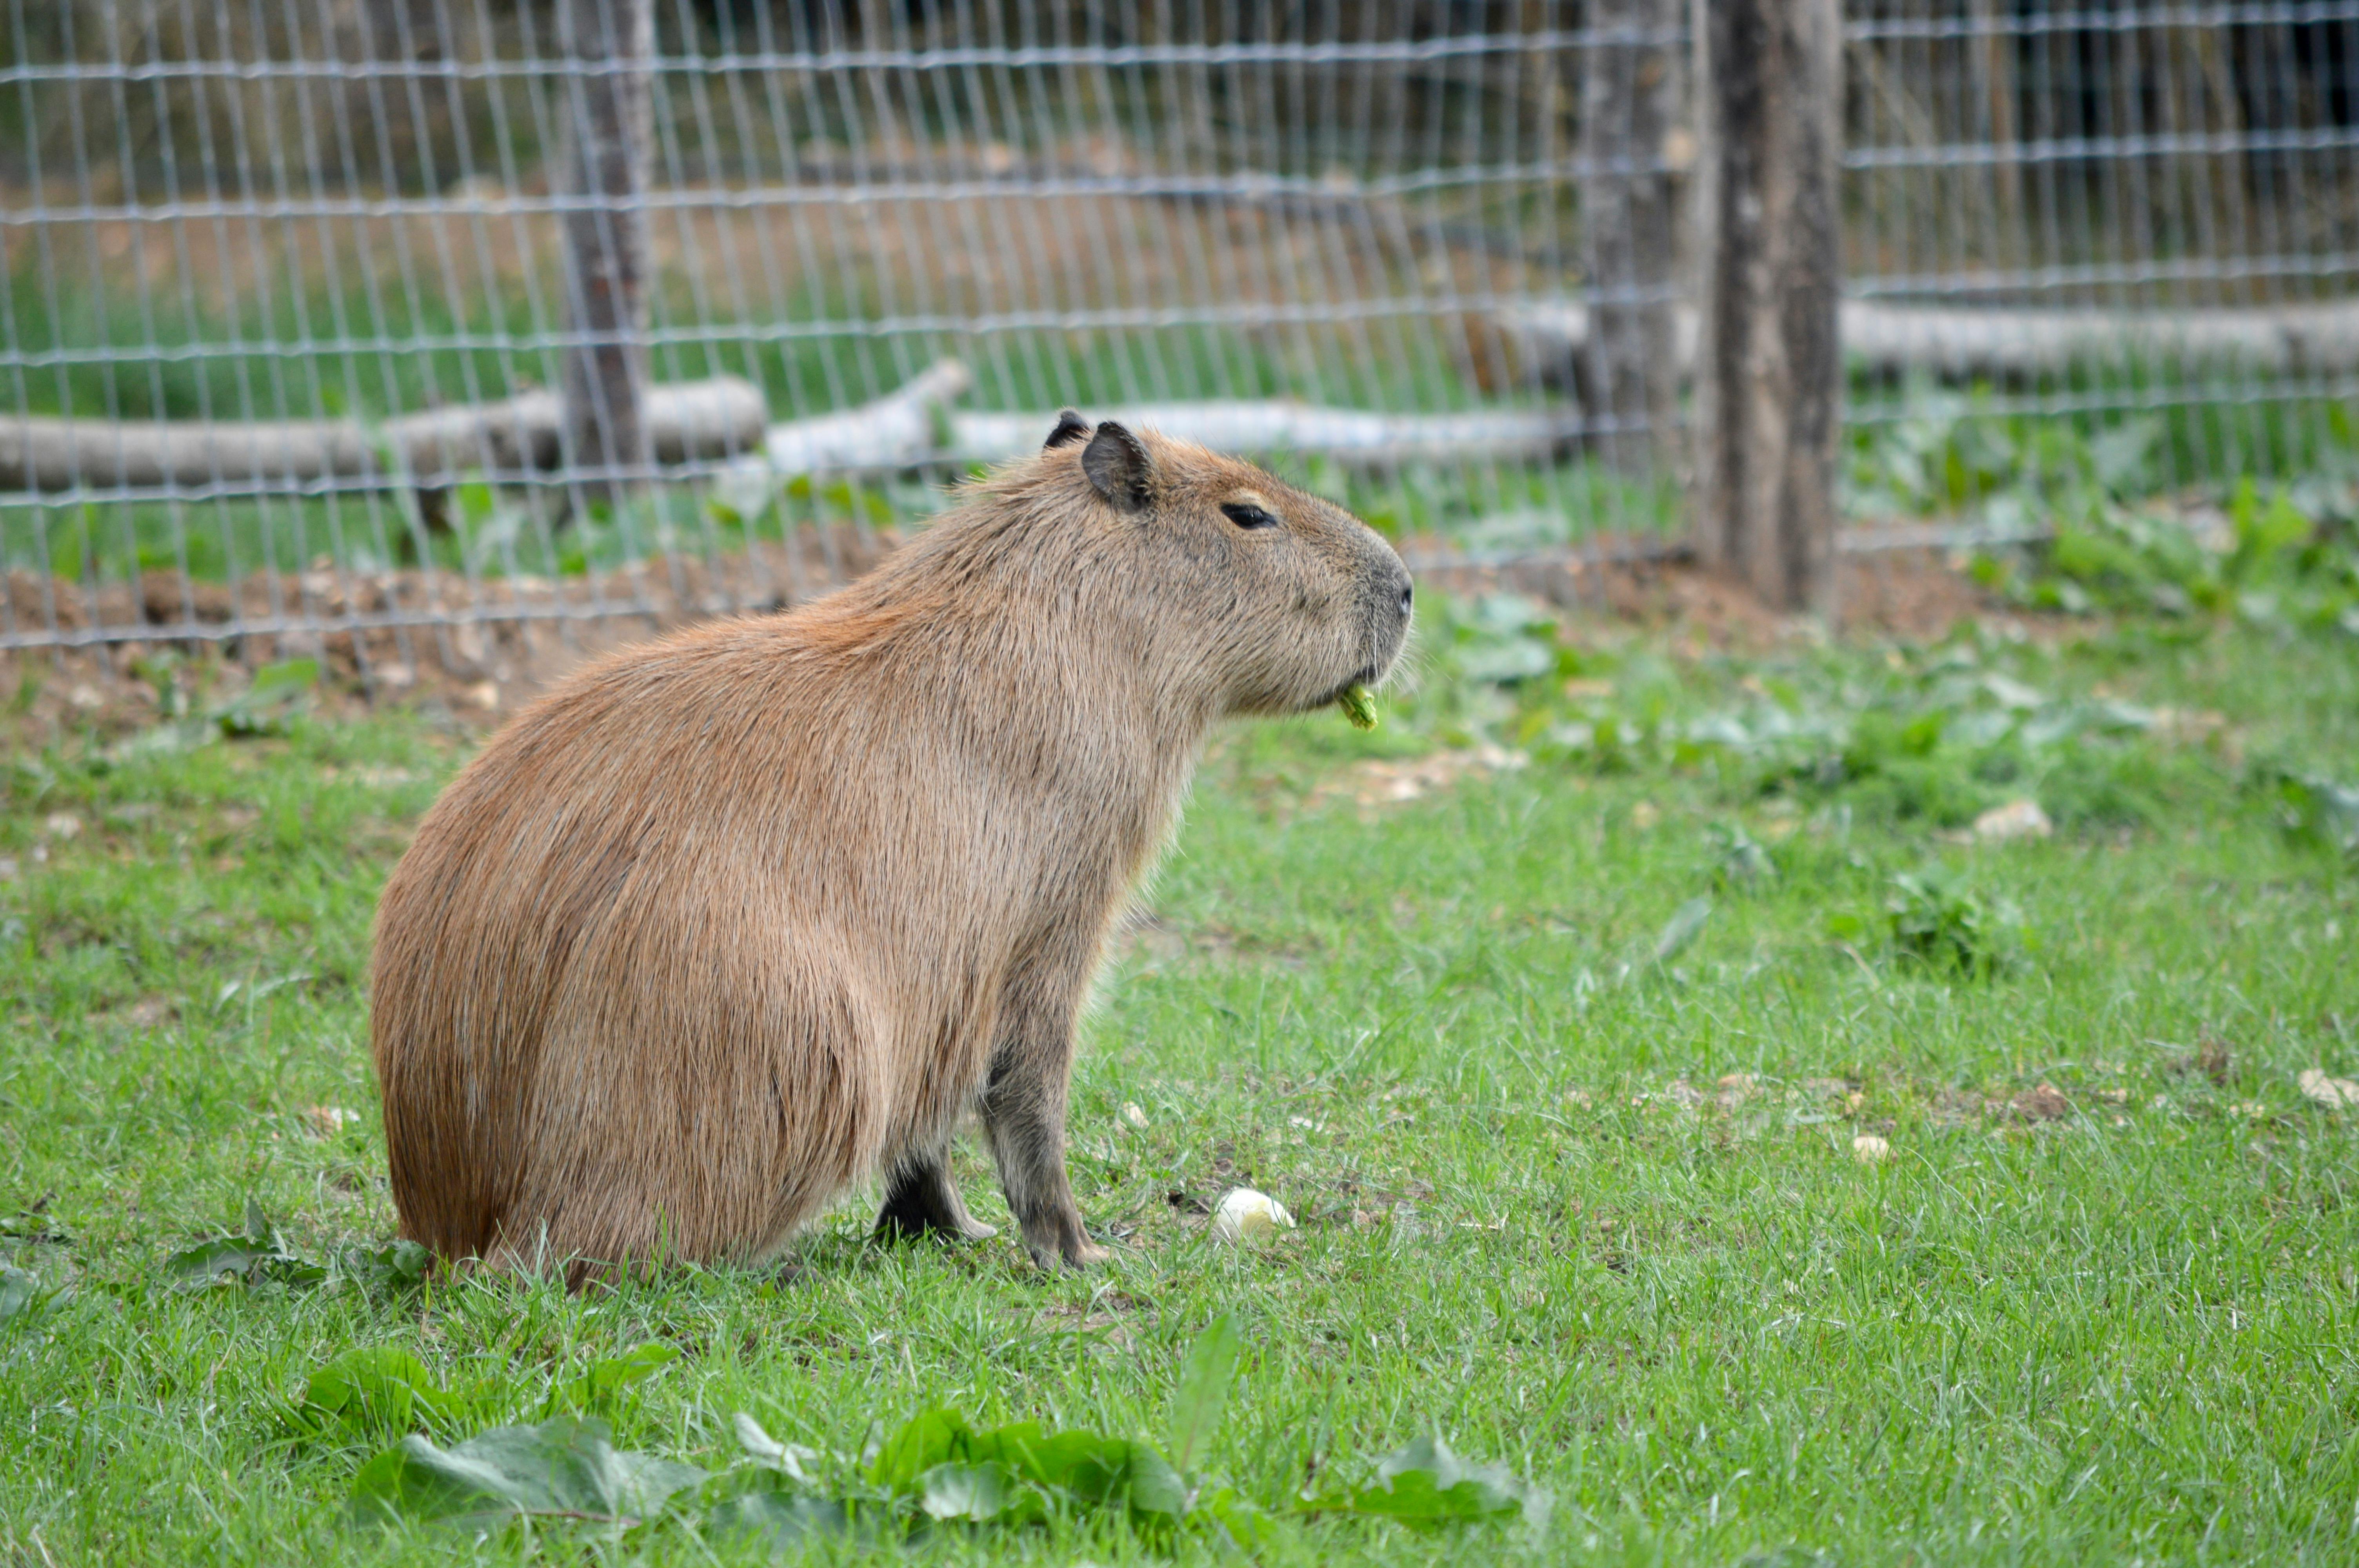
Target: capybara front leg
<point>920,1198</point>
<point>1024,1115</point>
<point>1028,1142</point>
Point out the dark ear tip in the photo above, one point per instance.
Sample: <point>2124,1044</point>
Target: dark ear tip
<point>1071,427</point>
<point>1118,466</point>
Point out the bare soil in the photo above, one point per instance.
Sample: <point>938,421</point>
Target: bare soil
<point>477,670</point>
<point>1908,594</point>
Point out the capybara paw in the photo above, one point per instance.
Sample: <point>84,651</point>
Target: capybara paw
<point>892,1226</point>
<point>1064,1247</point>
<point>926,1204</point>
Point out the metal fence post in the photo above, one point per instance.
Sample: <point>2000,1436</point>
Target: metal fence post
<point>1629,108</point>
<point>605,47</point>
<point>1770,365</point>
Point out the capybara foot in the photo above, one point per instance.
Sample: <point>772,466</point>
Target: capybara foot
<point>1058,1241</point>
<point>922,1200</point>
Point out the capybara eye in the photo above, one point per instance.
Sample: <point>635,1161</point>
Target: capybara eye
<point>1245,515</point>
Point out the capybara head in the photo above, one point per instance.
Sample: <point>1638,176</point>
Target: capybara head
<point>1265,598</point>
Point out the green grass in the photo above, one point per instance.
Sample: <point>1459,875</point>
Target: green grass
<point>1438,1031</point>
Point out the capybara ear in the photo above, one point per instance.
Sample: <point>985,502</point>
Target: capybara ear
<point>1118,466</point>
<point>1071,427</point>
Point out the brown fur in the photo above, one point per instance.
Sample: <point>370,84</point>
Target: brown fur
<point>734,920</point>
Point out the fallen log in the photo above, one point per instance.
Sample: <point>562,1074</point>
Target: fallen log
<point>1352,436</point>
<point>902,430</point>
<point>1968,342</point>
<point>915,426</point>
<point>687,422</point>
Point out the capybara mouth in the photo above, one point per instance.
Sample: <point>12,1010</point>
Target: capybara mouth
<point>1367,675</point>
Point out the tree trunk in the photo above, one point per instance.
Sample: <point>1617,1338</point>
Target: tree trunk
<point>608,120</point>
<point>1629,109</point>
<point>1991,69</point>
<point>1769,367</point>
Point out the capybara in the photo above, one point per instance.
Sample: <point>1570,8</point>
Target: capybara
<point>732,920</point>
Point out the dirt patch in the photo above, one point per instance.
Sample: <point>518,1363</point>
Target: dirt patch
<point>2045,1103</point>
<point>521,634</point>
<point>1148,938</point>
<point>513,636</point>
<point>1911,594</point>
<point>1110,1319</point>
<point>1379,782</point>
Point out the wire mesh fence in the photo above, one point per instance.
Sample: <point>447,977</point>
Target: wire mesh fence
<point>2134,217</point>
<point>299,292</point>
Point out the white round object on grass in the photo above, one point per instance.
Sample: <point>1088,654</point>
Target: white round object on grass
<point>1244,1214</point>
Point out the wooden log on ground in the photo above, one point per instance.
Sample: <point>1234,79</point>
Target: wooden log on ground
<point>1355,438</point>
<point>1965,340</point>
<point>908,427</point>
<point>686,422</point>
<point>2010,343</point>
<point>915,424</point>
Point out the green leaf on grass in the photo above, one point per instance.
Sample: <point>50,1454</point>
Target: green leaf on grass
<point>1937,917</point>
<point>923,1442</point>
<point>20,1294</point>
<point>1681,928</point>
<point>289,675</point>
<point>565,1468</point>
<point>1204,1390</point>
<point>224,1261</point>
<point>397,1266</point>
<point>1086,1467</point>
<point>1153,1487</point>
<point>236,1260</point>
<point>260,1254</point>
<point>2319,811</point>
<point>276,694</point>
<point>375,1392</point>
<point>1226,1513</point>
<point>1426,1484</point>
<point>978,1493</point>
<point>777,1520</point>
<point>595,1389</point>
<point>789,1459</point>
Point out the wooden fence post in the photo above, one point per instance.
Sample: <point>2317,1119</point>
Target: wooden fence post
<point>1769,366</point>
<point>606,46</point>
<point>1629,109</point>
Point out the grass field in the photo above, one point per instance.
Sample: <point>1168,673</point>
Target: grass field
<point>1561,1067</point>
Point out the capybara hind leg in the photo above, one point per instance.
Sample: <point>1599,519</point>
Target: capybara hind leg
<point>920,1198</point>
<point>1024,1115</point>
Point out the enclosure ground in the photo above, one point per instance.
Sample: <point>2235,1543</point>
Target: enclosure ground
<point>476,672</point>
<point>1566,1025</point>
